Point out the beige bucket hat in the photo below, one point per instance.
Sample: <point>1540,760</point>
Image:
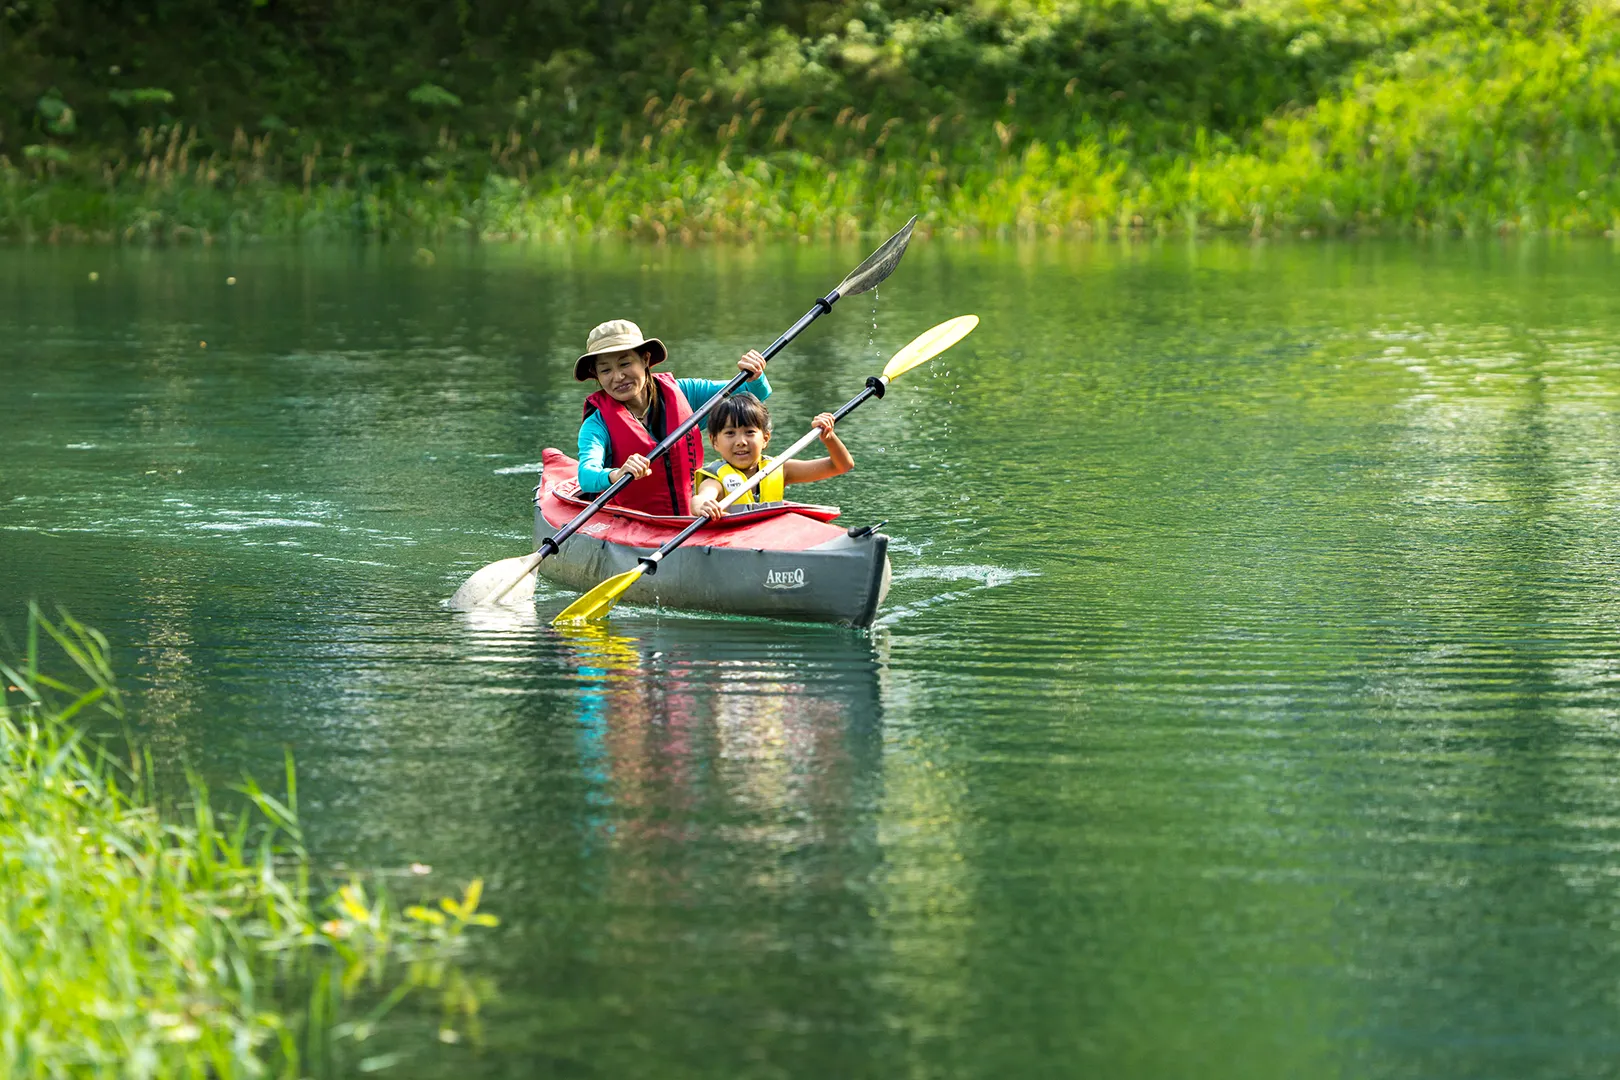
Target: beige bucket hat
<point>615,335</point>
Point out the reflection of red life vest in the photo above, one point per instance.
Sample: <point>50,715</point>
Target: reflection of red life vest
<point>668,490</point>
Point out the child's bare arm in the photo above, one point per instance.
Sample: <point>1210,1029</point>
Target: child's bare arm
<point>837,463</point>
<point>706,501</point>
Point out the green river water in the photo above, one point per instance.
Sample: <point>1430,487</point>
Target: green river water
<point>1247,703</point>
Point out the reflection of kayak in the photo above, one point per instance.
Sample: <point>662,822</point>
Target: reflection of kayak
<point>777,560</point>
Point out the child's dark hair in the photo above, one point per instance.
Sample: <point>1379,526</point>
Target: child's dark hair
<point>739,410</point>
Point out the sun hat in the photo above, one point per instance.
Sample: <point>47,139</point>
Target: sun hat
<point>615,335</point>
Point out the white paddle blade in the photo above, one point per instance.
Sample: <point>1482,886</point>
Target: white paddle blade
<point>482,586</point>
<point>929,344</point>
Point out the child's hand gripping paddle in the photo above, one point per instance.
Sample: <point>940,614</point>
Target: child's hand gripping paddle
<point>599,601</point>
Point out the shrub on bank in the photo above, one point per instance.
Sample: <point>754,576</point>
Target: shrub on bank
<point>1179,115</point>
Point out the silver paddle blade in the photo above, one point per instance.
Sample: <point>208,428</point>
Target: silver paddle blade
<point>482,586</point>
<point>878,265</point>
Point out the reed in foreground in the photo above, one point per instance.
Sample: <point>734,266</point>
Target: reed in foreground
<point>138,940</point>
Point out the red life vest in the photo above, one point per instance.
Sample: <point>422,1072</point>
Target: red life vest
<point>668,489</point>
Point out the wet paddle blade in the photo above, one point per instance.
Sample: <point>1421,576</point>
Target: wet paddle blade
<point>599,601</point>
<point>482,586</point>
<point>929,344</point>
<point>878,265</point>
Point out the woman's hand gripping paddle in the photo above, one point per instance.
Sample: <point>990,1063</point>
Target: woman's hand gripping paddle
<point>599,601</point>
<point>491,584</point>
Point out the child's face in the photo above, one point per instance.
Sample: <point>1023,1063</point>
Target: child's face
<point>740,445</point>
<point>622,374</point>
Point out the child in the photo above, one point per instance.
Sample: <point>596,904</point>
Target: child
<point>739,430</point>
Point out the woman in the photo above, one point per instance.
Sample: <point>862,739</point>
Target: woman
<point>632,412</point>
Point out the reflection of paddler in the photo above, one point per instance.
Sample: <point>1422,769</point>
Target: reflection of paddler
<point>634,409</point>
<point>740,795</point>
<point>638,739</point>
<point>786,720</point>
<point>602,657</point>
<point>619,701</point>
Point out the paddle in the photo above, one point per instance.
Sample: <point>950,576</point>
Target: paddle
<point>494,581</point>
<point>927,345</point>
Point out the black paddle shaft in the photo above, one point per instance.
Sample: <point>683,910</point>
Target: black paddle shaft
<point>874,388</point>
<point>553,543</point>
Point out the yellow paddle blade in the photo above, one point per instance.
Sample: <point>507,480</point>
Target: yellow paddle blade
<point>929,344</point>
<point>599,601</point>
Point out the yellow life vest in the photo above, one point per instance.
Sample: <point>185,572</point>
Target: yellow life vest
<point>770,489</point>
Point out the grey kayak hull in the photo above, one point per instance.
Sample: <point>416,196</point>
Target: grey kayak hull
<point>843,580</point>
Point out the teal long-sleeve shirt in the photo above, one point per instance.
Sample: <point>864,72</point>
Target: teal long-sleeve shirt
<point>594,462</point>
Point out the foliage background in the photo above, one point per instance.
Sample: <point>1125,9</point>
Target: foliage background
<point>657,117</point>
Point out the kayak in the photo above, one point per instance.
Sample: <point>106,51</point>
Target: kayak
<point>781,560</point>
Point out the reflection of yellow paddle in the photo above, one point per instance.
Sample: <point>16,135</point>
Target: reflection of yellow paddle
<point>598,647</point>
<point>927,345</point>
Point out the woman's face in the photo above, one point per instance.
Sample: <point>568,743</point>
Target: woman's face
<point>623,374</point>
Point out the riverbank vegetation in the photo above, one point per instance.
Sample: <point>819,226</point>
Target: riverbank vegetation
<point>737,118</point>
<point>139,939</point>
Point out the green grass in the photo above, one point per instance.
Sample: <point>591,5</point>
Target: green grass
<point>1091,117</point>
<point>139,940</point>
